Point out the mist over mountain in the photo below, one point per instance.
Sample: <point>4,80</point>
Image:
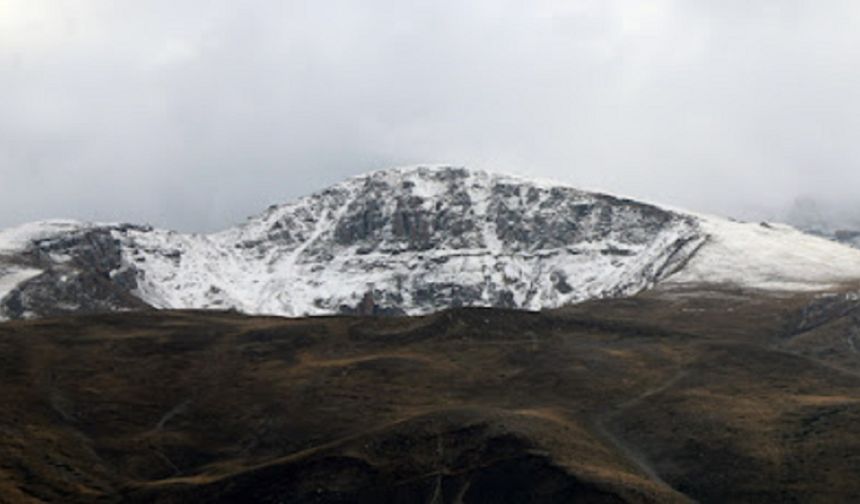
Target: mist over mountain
<point>839,221</point>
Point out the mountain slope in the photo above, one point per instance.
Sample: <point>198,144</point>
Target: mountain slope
<point>408,241</point>
<point>767,256</point>
<point>652,398</point>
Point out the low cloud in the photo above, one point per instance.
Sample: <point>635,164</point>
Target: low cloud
<point>193,115</point>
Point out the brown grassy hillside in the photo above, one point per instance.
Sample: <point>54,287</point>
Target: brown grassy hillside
<point>719,396</point>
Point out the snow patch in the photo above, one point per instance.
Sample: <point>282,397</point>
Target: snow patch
<point>18,238</point>
<point>768,256</point>
<point>11,277</point>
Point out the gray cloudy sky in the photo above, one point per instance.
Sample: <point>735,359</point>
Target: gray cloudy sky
<point>194,114</point>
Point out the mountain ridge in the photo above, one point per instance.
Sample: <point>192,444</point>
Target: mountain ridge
<point>407,240</point>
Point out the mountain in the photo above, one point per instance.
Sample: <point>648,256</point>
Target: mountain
<point>848,236</point>
<point>409,241</point>
<point>675,357</point>
<point>836,222</point>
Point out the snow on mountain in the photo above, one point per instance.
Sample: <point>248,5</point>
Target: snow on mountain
<point>11,277</point>
<point>16,239</point>
<point>417,240</point>
<point>408,241</point>
<point>769,257</point>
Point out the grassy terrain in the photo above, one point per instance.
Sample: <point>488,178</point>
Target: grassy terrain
<point>666,397</point>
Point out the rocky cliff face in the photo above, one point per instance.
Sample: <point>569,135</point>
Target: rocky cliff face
<point>396,241</point>
<point>70,270</point>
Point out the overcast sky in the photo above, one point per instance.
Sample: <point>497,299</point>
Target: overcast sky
<point>193,114</point>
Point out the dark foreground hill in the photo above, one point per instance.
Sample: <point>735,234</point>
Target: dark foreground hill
<point>665,397</point>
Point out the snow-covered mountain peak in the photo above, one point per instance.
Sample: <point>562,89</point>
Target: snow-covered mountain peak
<point>407,240</point>
<point>440,208</point>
